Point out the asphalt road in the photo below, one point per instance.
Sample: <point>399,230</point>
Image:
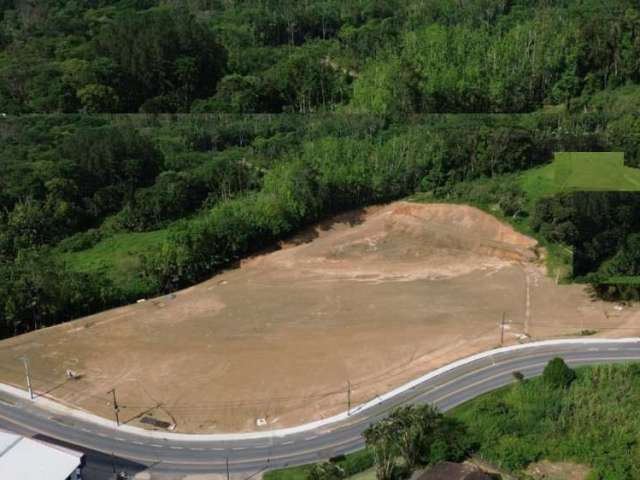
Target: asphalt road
<point>133,452</point>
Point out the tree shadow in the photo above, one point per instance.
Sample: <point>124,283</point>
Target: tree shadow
<point>307,235</point>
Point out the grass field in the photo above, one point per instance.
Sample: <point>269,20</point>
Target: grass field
<point>581,171</point>
<point>118,257</point>
<point>624,280</point>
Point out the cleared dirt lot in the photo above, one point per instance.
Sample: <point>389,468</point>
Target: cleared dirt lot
<point>375,298</point>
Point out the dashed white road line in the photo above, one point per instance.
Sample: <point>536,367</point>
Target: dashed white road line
<point>156,445</point>
<point>311,438</point>
<point>173,447</point>
<point>138,443</point>
<point>287,443</point>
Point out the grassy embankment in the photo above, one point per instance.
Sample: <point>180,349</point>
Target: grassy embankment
<point>119,258</point>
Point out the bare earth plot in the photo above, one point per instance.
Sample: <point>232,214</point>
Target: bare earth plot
<point>374,298</point>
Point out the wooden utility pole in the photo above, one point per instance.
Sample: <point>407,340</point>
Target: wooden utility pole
<point>116,408</point>
<point>348,397</point>
<point>227,459</point>
<point>25,361</point>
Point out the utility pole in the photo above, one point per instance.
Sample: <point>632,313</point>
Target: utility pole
<point>116,408</point>
<point>502,330</point>
<point>227,458</point>
<point>27,371</point>
<point>348,397</point>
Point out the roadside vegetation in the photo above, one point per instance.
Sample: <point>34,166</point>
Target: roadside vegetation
<point>587,416</point>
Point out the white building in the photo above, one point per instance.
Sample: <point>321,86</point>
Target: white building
<point>24,458</point>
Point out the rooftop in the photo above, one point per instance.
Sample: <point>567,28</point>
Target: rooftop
<point>18,457</point>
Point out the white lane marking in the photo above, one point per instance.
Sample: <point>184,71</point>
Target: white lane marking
<point>287,443</point>
<point>85,430</point>
<point>197,449</point>
<point>238,448</point>
<point>138,443</point>
<point>156,445</point>
<point>217,449</point>
<point>261,446</point>
<point>101,435</point>
<point>311,438</point>
<point>176,448</point>
<point>120,439</point>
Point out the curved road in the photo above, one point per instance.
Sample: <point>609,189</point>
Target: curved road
<point>181,457</point>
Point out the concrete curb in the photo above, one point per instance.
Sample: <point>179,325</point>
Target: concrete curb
<point>53,406</point>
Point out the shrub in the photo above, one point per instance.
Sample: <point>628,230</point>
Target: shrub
<point>516,452</point>
<point>558,374</point>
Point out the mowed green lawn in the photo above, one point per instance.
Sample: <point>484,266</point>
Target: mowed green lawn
<point>119,257</point>
<point>581,171</point>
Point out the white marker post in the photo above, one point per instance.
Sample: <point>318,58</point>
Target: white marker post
<point>25,361</point>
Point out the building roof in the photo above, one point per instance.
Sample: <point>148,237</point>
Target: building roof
<point>453,471</point>
<point>23,458</point>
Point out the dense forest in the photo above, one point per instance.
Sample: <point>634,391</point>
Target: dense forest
<point>131,166</point>
<point>249,56</point>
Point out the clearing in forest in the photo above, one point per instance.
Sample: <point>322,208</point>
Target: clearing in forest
<point>581,171</point>
<point>373,298</point>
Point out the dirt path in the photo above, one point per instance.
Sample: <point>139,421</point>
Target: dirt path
<point>373,298</point>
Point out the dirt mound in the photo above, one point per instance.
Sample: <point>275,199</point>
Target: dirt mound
<point>406,241</point>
